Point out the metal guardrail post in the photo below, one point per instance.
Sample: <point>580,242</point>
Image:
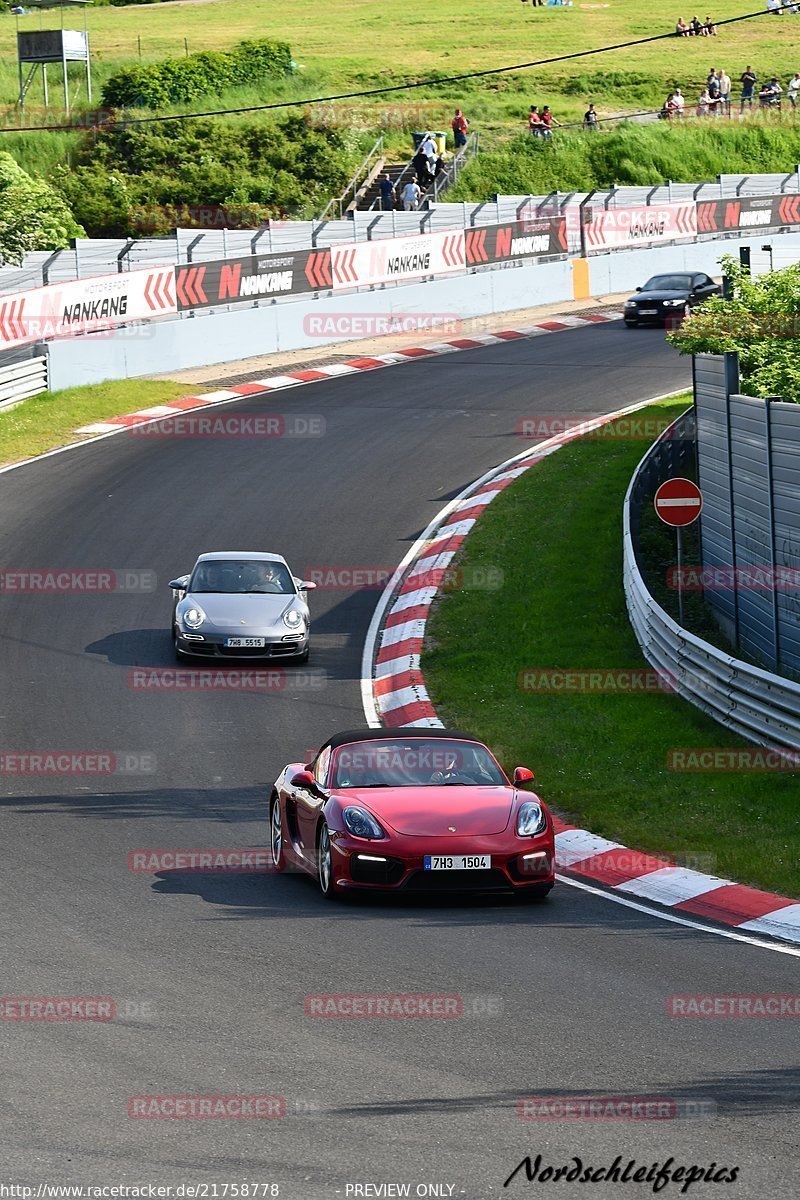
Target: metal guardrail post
<point>124,252</point>
<point>47,265</point>
<point>191,246</point>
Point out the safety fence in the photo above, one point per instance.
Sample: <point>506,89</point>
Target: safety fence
<point>760,706</point>
<point>534,229</point>
<point>21,376</point>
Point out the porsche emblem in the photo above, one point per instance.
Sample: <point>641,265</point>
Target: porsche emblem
<point>452,828</point>
<point>243,622</point>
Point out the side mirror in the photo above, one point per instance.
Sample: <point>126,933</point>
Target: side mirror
<point>304,779</point>
<point>306,585</point>
<point>178,585</point>
<point>522,775</point>
<point>638,289</point>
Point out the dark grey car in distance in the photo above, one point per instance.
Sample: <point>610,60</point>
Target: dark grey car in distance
<point>238,604</point>
<point>668,297</point>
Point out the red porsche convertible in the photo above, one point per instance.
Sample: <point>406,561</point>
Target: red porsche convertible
<point>411,810</point>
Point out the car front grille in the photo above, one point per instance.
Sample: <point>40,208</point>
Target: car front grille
<point>490,880</point>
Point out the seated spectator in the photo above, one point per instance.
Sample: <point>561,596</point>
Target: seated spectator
<point>696,26</point>
<point>681,28</point>
<point>774,6</point>
<point>789,6</point>
<point>709,28</point>
<point>770,94</point>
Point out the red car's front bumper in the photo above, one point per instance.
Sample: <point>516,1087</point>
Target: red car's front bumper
<point>396,863</point>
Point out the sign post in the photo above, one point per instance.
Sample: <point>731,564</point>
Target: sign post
<point>678,502</point>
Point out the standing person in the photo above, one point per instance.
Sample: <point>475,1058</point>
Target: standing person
<point>793,89</point>
<point>712,85</point>
<point>548,121</point>
<point>388,194</point>
<point>749,81</point>
<point>590,119</point>
<point>421,164</point>
<point>703,104</point>
<point>535,125</point>
<point>724,82</point>
<point>459,126</point>
<point>411,195</point>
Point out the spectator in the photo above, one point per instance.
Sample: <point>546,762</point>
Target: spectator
<point>590,119</point>
<point>438,166</point>
<point>678,102</point>
<point>411,195</point>
<point>696,26</point>
<point>681,28</point>
<point>548,121</point>
<point>459,125</point>
<point>774,6</point>
<point>420,164</point>
<point>770,95</point>
<point>710,28</point>
<point>712,83</point>
<point>793,89</point>
<point>388,195</point>
<point>429,147</point>
<point>724,82</point>
<point>535,124</point>
<point>789,6</point>
<point>705,104</point>
<point>749,80</point>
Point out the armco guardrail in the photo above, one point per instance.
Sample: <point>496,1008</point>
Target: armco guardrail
<point>22,379</point>
<point>762,707</point>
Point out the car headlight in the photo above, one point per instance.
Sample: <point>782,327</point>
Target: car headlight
<point>194,617</point>
<point>674,304</point>
<point>630,304</point>
<point>293,618</point>
<point>530,819</point>
<point>361,823</point>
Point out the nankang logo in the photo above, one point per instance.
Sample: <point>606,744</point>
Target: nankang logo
<point>259,285</point>
<point>531,245</point>
<point>764,217</point>
<point>95,310</point>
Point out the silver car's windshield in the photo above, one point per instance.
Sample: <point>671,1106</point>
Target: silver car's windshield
<point>239,576</point>
<point>668,283</point>
<point>414,762</point>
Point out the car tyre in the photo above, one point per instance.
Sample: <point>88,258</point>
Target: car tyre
<point>276,834</point>
<point>631,324</point>
<point>324,863</point>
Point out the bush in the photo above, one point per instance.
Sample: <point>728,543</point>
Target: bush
<point>182,80</point>
<point>32,215</point>
<point>135,179</point>
<point>760,320</point>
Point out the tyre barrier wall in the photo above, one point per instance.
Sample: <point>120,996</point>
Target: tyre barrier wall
<point>23,373</point>
<point>758,705</point>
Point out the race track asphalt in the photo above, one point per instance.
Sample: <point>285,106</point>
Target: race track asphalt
<point>210,972</point>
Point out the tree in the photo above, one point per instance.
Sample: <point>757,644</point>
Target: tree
<point>32,214</point>
<point>760,320</point>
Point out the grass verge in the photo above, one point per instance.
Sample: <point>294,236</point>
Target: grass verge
<point>600,758</point>
<point>50,420</point>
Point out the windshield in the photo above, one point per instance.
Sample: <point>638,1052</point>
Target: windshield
<point>668,283</point>
<point>240,575</point>
<point>414,762</point>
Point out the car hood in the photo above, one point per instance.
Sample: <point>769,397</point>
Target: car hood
<point>643,297</point>
<point>455,809</point>
<point>248,611</point>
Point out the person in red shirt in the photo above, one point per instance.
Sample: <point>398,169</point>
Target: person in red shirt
<point>459,125</point>
<point>535,125</point>
<point>548,121</point>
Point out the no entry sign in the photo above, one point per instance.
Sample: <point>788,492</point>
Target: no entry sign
<point>678,502</point>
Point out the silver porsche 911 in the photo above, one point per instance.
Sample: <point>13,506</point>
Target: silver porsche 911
<point>241,605</point>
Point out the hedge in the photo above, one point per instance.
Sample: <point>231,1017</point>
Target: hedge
<point>181,80</point>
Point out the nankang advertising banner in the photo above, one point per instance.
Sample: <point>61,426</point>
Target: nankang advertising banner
<point>747,212</point>
<point>259,276</point>
<point>356,264</point>
<point>624,228</point>
<point>518,239</point>
<point>86,305</point>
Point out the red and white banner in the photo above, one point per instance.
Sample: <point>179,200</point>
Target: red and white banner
<point>86,305</point>
<point>612,228</point>
<point>358,263</point>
